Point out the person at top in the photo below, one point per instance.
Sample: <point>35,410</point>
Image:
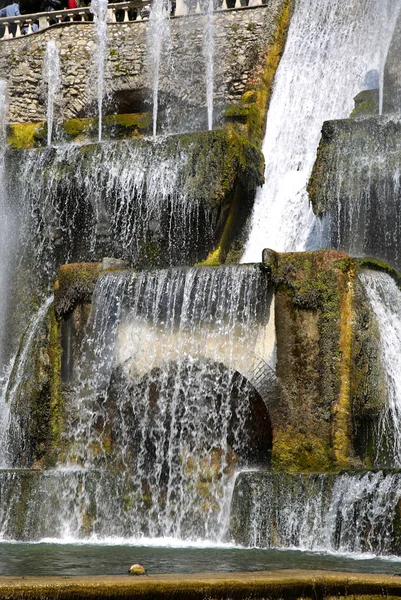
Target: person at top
<point>12,10</point>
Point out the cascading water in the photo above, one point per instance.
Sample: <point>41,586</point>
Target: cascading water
<point>329,49</point>
<point>51,76</point>
<point>385,298</point>
<point>99,9</point>
<point>130,195</point>
<point>208,48</point>
<point>345,513</point>
<point>161,412</point>
<point>158,35</point>
<point>11,432</point>
<point>389,22</point>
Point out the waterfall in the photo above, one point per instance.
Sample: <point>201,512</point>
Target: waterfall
<point>51,76</point>
<point>389,21</point>
<point>99,9</point>
<point>158,35</point>
<point>160,398</point>
<point>330,47</point>
<point>339,513</point>
<point>385,299</point>
<point>15,373</point>
<point>133,198</point>
<point>208,49</point>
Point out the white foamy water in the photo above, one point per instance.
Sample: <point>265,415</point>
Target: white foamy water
<point>99,9</point>
<point>330,48</point>
<point>51,76</point>
<point>385,299</point>
<point>157,37</point>
<point>208,49</point>
<point>344,514</point>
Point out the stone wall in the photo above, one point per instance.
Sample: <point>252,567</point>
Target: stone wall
<point>241,37</point>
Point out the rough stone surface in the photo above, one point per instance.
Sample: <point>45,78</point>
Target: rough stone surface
<point>281,584</point>
<point>240,39</point>
<point>355,187</point>
<point>312,415</point>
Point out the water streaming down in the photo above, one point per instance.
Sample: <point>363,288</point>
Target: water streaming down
<point>385,299</point>
<point>340,513</point>
<point>208,49</point>
<point>4,104</point>
<point>359,195</point>
<point>51,76</point>
<point>158,35</point>
<point>327,42</point>
<point>128,195</point>
<point>159,403</point>
<point>389,21</point>
<point>18,370</point>
<point>99,9</point>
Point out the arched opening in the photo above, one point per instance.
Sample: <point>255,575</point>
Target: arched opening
<point>196,406</point>
<point>182,431</point>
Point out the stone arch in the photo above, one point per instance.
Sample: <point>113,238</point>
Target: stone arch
<point>224,392</point>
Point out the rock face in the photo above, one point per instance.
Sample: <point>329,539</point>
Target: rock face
<point>355,187</point>
<point>241,38</point>
<point>312,419</point>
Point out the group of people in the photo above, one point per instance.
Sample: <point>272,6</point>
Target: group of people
<point>13,10</point>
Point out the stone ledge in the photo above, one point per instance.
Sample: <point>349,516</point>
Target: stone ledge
<point>283,584</point>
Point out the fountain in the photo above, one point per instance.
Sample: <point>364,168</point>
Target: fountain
<point>99,9</point>
<point>303,99</point>
<point>208,48</point>
<point>162,398</point>
<point>51,76</point>
<point>157,39</point>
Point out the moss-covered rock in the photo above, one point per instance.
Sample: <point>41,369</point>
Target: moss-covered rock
<point>314,311</point>
<point>75,285</point>
<point>368,389</point>
<point>26,135</point>
<point>366,103</point>
<point>34,393</point>
<point>32,135</point>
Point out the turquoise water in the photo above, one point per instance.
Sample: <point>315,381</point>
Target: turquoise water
<point>92,559</point>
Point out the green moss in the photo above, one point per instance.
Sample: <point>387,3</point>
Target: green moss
<point>76,127</point>
<point>236,113</point>
<point>296,452</point>
<point>26,135</point>
<point>366,103</point>
<point>260,84</point>
<point>116,126</point>
<point>314,307</point>
<point>375,264</point>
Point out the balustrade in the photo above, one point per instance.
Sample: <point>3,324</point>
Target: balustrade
<point>122,12</point>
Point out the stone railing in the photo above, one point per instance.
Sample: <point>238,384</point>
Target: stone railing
<point>122,12</point>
